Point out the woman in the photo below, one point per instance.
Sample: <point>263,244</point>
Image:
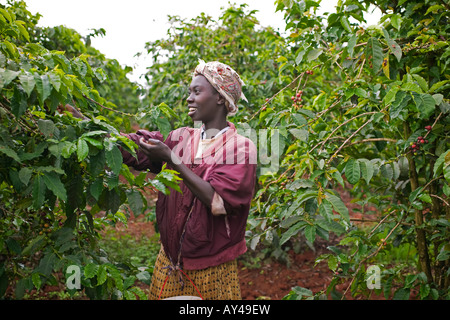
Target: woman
<point>202,229</point>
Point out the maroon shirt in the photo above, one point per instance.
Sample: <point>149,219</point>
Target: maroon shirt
<point>229,165</point>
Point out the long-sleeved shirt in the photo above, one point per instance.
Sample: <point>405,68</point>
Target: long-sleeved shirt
<point>213,235</point>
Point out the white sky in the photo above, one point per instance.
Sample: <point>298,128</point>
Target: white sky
<point>130,24</point>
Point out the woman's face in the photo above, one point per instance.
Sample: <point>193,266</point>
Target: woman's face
<point>202,100</point>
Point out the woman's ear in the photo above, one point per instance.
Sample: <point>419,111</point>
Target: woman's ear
<point>220,99</point>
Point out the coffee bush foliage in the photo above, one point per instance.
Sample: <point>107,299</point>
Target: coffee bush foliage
<point>59,175</point>
<point>337,108</point>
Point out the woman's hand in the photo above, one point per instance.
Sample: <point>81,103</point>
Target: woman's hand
<point>155,150</point>
<point>61,108</point>
<point>159,151</point>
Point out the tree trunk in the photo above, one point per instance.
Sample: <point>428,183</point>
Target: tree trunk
<point>422,248</point>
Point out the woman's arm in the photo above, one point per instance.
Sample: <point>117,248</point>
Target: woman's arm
<point>156,149</point>
<point>142,162</point>
<point>72,110</point>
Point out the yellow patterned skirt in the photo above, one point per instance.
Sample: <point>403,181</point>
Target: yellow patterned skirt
<point>214,283</point>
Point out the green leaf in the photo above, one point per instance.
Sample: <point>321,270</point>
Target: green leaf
<point>299,57</point>
<point>421,81</point>
<point>8,76</point>
<point>101,274</point>
<point>393,46</point>
<point>443,255</point>
<point>94,133</point>
<point>395,49</point>
<point>55,80</point>
<point>47,127</point>
<point>96,188</point>
<point>114,159</point>
<point>301,134</point>
<point>374,53</point>
<point>43,87</point>
<point>425,103</point>
<point>38,193</point>
<point>109,200</point>
<point>36,278</point>
<point>360,92</point>
<point>298,119</point>
<point>352,171</point>
<point>346,24</point>
<point>19,103</point>
<point>447,173</point>
<point>168,112</point>
<point>402,294</point>
<point>307,113</point>
<point>11,48</point>
<point>326,210</point>
<point>412,87</point>
<point>82,149</point>
<point>292,231</point>
<point>438,98</point>
<point>313,54</point>
<point>435,8</point>
<point>437,85</point>
<point>396,21</point>
<point>28,82</point>
<point>401,101</point>
<point>9,152</point>
<point>161,121</point>
<point>339,206</point>
<point>6,14</point>
<point>440,164</point>
<point>13,245</point>
<point>94,142</point>
<point>351,44</point>
<point>67,149</point>
<point>136,202</point>
<point>320,101</point>
<point>25,175</point>
<point>310,233</point>
<point>332,263</point>
<point>387,171</point>
<point>425,198</point>
<point>413,195</point>
<point>53,182</point>
<point>35,245</point>
<point>91,270</point>
<point>367,169</point>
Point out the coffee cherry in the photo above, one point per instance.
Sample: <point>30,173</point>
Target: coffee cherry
<point>428,128</point>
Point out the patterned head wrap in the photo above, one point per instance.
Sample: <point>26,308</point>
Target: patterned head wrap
<point>225,80</point>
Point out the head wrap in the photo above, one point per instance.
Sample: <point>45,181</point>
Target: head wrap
<point>225,80</point>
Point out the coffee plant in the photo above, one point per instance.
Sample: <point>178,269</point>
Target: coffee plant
<point>345,109</point>
<point>337,109</point>
<point>59,175</point>
<point>368,116</point>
